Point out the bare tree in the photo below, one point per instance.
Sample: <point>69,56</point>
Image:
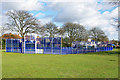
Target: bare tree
<point>42,31</point>
<point>49,29</point>
<point>22,22</point>
<point>73,31</point>
<point>97,34</point>
<point>116,3</point>
<point>61,32</point>
<point>113,2</point>
<point>82,33</point>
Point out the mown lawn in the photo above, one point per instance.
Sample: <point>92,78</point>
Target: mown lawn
<point>92,65</point>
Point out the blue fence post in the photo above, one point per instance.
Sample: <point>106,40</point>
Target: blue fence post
<point>61,46</point>
<point>52,46</point>
<point>12,45</point>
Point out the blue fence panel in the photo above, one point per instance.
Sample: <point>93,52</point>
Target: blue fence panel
<point>79,51</point>
<point>14,45</point>
<point>56,51</point>
<point>47,51</point>
<point>8,49</point>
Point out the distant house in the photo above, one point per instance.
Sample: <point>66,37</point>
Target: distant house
<point>91,43</point>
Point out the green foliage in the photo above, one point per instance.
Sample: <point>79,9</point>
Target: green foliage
<point>3,43</point>
<point>65,42</point>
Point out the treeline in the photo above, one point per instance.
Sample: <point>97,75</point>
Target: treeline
<point>23,23</point>
<point>72,32</point>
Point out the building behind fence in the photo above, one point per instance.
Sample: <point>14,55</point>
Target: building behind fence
<point>47,45</point>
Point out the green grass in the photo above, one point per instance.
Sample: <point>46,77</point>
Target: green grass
<point>92,65</point>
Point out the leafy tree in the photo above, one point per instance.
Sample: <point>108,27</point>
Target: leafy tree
<point>97,34</point>
<point>22,22</point>
<point>114,42</point>
<point>65,42</point>
<point>2,43</point>
<point>10,35</point>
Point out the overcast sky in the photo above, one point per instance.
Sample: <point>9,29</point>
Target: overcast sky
<point>90,14</point>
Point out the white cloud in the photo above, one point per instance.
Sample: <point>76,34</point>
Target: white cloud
<point>67,0</point>
<point>12,0</point>
<point>113,14</point>
<point>31,5</point>
<point>80,11</point>
<point>45,20</point>
<point>86,14</point>
<point>28,5</point>
<point>22,5</point>
<point>39,15</point>
<point>3,19</point>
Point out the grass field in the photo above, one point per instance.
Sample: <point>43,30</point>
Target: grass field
<point>92,65</point>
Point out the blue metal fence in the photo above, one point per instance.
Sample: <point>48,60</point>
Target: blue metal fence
<point>84,50</point>
<point>52,46</point>
<point>13,45</point>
